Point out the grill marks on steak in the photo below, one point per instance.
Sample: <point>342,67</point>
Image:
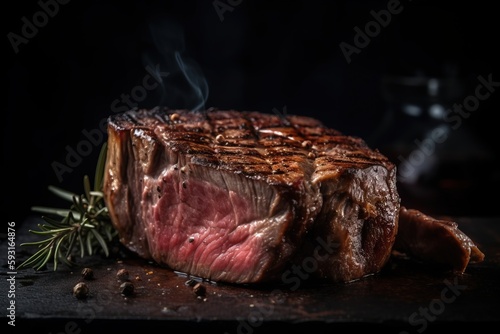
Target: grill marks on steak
<point>237,196</point>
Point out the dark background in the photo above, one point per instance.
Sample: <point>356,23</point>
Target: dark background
<point>263,55</point>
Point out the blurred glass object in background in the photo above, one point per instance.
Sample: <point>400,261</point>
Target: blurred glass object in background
<point>444,167</point>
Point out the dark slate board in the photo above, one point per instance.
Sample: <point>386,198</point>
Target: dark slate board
<point>406,296</point>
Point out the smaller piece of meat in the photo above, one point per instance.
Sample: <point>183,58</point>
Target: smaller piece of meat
<point>435,241</point>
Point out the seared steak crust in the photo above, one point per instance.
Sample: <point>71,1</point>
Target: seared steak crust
<point>239,196</point>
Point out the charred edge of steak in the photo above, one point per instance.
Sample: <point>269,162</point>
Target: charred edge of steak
<point>357,224</point>
<point>435,241</point>
<point>280,182</point>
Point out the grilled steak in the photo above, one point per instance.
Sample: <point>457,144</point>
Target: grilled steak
<point>242,196</point>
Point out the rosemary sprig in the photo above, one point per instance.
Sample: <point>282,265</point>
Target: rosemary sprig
<point>85,227</point>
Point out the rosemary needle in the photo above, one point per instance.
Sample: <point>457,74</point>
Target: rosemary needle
<point>84,228</point>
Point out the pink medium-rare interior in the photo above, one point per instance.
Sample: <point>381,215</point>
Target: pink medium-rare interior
<point>199,225</point>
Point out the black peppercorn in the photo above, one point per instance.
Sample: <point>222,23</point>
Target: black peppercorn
<point>122,275</point>
<point>81,290</point>
<point>127,288</point>
<point>87,273</point>
<point>199,289</point>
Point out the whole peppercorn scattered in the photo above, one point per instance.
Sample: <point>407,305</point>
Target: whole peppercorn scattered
<point>81,290</point>
<point>87,273</point>
<point>174,117</point>
<point>127,288</point>
<point>199,289</point>
<point>122,275</point>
